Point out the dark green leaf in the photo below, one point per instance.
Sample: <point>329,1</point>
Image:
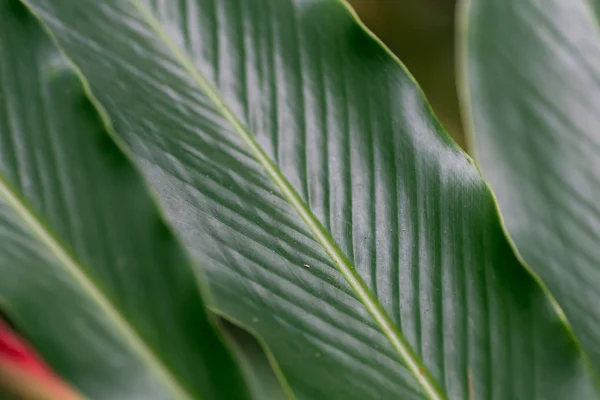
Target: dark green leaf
<point>533,74</point>
<point>89,270</point>
<point>262,371</point>
<point>303,166</point>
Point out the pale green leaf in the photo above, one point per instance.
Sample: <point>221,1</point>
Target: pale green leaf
<point>533,76</point>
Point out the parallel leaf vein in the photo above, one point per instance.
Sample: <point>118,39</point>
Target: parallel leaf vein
<point>91,288</point>
<point>397,340</point>
<point>72,267</point>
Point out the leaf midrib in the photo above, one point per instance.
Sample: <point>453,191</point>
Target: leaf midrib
<point>401,345</point>
<point>87,284</point>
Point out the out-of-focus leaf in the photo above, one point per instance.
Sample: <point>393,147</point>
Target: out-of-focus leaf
<point>533,75</point>
<point>303,166</point>
<point>89,270</point>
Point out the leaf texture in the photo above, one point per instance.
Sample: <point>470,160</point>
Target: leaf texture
<point>90,272</point>
<point>302,165</point>
<point>535,102</point>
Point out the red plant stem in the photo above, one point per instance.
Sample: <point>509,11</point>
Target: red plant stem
<point>25,375</point>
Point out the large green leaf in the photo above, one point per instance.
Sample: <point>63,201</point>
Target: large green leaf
<point>533,70</point>
<point>303,166</point>
<point>89,270</point>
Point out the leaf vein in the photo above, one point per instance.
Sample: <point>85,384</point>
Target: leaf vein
<point>397,340</point>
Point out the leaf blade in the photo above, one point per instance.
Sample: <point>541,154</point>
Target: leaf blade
<point>536,143</point>
<point>324,238</point>
<point>75,219</point>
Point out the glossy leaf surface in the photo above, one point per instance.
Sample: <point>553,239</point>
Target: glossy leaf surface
<point>305,170</point>
<point>535,102</point>
<point>89,270</point>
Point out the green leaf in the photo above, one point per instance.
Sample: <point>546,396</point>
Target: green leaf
<point>303,167</point>
<point>263,376</point>
<point>533,76</point>
<point>90,272</point>
<point>421,34</point>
